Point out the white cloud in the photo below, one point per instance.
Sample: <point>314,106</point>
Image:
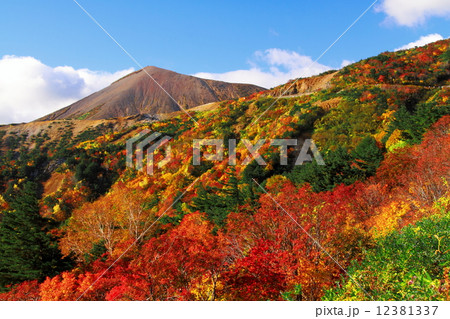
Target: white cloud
<point>30,89</point>
<point>271,68</point>
<point>422,41</point>
<point>414,12</point>
<point>346,62</point>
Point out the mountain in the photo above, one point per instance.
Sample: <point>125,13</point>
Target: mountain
<point>137,93</point>
<point>373,223</point>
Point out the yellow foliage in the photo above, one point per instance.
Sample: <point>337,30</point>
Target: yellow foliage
<point>379,136</point>
<point>56,209</point>
<point>387,116</point>
<point>144,182</point>
<point>275,183</point>
<point>442,205</point>
<point>388,218</point>
<point>394,140</point>
<point>3,203</point>
<point>167,176</point>
<point>206,288</point>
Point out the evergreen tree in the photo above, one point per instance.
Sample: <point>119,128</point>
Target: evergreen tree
<point>93,176</point>
<point>27,251</point>
<point>216,202</point>
<point>414,123</point>
<point>368,155</point>
<point>337,170</point>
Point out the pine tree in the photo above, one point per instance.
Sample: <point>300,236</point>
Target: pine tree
<point>27,251</point>
<point>216,202</point>
<point>368,155</point>
<point>337,170</point>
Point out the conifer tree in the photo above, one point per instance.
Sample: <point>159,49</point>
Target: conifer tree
<point>27,251</point>
<point>368,155</point>
<point>216,202</point>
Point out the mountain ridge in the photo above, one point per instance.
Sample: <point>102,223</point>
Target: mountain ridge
<point>147,91</point>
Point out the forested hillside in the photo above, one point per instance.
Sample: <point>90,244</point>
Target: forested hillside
<point>373,223</point>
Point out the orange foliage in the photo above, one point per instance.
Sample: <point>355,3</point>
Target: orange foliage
<point>113,219</point>
<point>26,291</point>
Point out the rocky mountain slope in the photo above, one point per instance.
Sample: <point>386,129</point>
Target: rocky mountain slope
<point>137,93</point>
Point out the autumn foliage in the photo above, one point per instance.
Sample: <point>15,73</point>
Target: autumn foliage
<point>251,232</point>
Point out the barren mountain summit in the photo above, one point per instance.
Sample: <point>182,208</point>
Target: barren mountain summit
<point>138,93</point>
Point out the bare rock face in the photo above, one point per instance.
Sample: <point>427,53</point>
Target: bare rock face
<point>304,85</point>
<point>137,93</point>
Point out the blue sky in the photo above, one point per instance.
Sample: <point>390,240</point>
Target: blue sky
<point>267,41</point>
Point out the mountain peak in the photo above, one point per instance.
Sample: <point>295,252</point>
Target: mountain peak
<point>137,93</point>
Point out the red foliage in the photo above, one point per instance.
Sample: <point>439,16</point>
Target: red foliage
<point>326,221</point>
<point>432,166</point>
<point>259,276</point>
<point>168,266</point>
<point>26,291</point>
